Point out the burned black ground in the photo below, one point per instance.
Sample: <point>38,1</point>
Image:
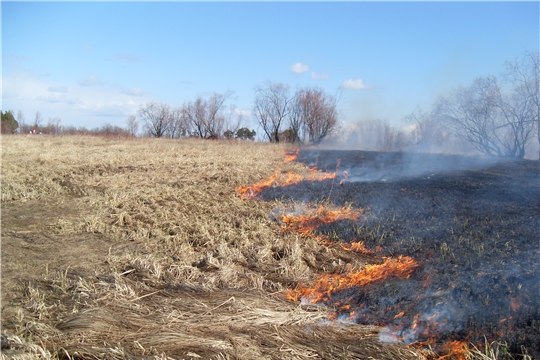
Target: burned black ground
<point>473,225</point>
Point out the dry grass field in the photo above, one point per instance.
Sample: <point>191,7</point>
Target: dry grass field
<point>121,248</point>
<point>153,248</point>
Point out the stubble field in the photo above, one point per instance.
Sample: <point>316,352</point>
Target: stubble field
<point>153,248</point>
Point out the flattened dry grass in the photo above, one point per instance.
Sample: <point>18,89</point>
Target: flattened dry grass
<point>202,272</point>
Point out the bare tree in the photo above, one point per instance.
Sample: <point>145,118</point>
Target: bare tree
<point>296,119</point>
<point>318,113</point>
<point>495,123</point>
<point>20,118</point>
<point>37,120</point>
<point>208,117</point>
<point>179,123</point>
<point>132,125</point>
<point>427,134</point>
<point>271,108</point>
<point>236,119</point>
<point>157,118</point>
<point>524,75</point>
<point>53,126</point>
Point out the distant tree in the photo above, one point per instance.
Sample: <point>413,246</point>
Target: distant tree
<point>20,119</point>
<point>245,133</point>
<point>157,118</point>
<point>132,125</point>
<point>426,133</point>
<point>207,116</point>
<point>495,123</point>
<point>271,108</point>
<point>9,124</point>
<point>288,136</point>
<point>318,113</point>
<point>524,76</point>
<point>53,126</point>
<point>229,134</point>
<point>111,130</point>
<point>180,125</point>
<point>296,119</point>
<point>37,120</point>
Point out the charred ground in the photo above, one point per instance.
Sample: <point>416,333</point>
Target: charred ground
<point>472,224</point>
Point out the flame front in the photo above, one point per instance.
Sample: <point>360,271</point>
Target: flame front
<point>420,332</point>
<point>278,179</point>
<point>307,224</point>
<point>326,284</point>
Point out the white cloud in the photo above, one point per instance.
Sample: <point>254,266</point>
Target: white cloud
<point>88,106</point>
<point>240,112</point>
<point>86,47</point>
<point>299,68</point>
<point>320,76</point>
<point>136,91</point>
<point>90,81</point>
<point>354,84</point>
<point>58,89</point>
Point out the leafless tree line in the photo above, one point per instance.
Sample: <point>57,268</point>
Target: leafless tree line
<point>204,118</point>
<point>308,116</point>
<point>498,116</point>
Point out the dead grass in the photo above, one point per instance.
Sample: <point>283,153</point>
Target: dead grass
<point>192,271</point>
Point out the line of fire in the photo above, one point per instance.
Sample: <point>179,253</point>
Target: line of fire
<point>431,278</point>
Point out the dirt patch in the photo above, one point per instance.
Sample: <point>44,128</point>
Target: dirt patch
<point>33,246</point>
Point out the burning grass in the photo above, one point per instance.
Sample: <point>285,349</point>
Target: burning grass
<point>471,225</point>
<point>137,248</point>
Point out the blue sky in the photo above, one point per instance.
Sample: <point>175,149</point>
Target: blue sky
<point>91,63</point>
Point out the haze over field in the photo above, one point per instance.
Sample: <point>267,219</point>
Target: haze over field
<point>95,63</point>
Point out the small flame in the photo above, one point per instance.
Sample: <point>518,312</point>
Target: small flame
<point>292,155</point>
<point>307,224</point>
<point>357,246</point>
<point>515,303</point>
<point>456,350</point>
<point>400,314</point>
<point>250,192</point>
<point>290,178</point>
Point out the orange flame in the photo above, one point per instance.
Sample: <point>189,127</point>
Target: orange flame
<point>252,191</point>
<point>515,303</point>
<point>456,350</point>
<point>306,224</point>
<point>326,284</point>
<point>249,192</point>
<point>292,155</point>
<point>357,246</point>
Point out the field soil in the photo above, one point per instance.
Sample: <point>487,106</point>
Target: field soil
<point>143,248</point>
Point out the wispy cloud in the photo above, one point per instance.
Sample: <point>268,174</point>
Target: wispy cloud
<point>80,106</point>
<point>127,58</point>
<point>136,91</point>
<point>320,76</point>
<point>86,47</point>
<point>240,112</point>
<point>59,98</point>
<point>354,84</point>
<point>58,89</point>
<point>299,68</point>
<point>90,81</point>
